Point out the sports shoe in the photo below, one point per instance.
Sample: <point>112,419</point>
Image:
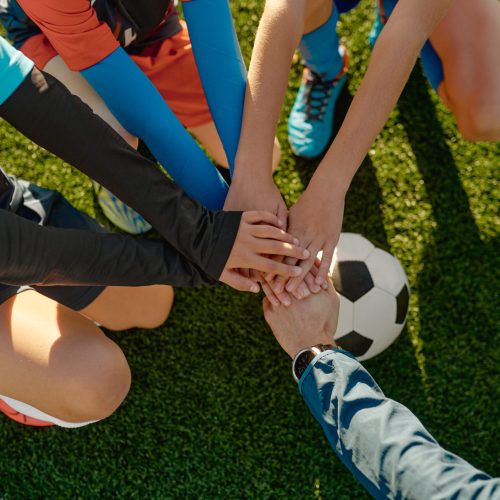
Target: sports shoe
<point>20,418</point>
<point>118,213</point>
<point>310,125</point>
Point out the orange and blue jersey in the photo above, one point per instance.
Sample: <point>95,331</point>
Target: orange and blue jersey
<point>100,26</point>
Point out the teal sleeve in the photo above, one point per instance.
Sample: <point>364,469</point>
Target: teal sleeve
<point>220,66</point>
<point>14,68</point>
<point>140,108</point>
<point>381,441</point>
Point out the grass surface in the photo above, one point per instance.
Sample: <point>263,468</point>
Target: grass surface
<point>213,411</point>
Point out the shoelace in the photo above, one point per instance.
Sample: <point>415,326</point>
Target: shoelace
<point>316,94</point>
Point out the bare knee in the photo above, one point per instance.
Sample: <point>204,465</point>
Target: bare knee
<point>317,13</point>
<point>157,308</point>
<point>479,121</point>
<point>121,308</point>
<point>145,307</point>
<point>96,391</point>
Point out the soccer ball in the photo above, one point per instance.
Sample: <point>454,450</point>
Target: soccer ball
<point>374,295</point>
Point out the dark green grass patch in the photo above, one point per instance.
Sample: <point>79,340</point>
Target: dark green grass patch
<point>213,411</point>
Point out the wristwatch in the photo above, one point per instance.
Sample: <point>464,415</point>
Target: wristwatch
<point>304,357</point>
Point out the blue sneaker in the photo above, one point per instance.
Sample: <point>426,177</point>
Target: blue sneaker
<point>310,125</point>
<point>118,213</point>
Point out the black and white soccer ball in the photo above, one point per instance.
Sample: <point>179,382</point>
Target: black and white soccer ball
<point>374,296</point>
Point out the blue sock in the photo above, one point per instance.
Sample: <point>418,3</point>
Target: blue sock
<point>433,67</point>
<point>320,49</point>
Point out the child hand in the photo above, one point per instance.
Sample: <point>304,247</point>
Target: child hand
<point>259,239</point>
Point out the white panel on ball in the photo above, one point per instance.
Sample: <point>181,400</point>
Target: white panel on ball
<point>384,271</point>
<point>353,246</point>
<point>402,273</point>
<point>378,347</point>
<point>374,318</point>
<point>346,317</point>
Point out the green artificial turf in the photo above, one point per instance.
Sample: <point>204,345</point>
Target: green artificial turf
<point>213,411</point>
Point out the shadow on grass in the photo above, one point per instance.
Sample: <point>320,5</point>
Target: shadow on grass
<point>456,287</point>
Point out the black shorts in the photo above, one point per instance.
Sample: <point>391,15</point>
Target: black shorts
<point>49,208</point>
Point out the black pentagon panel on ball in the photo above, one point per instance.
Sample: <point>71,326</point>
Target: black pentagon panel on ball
<point>355,343</point>
<point>402,301</point>
<point>352,279</point>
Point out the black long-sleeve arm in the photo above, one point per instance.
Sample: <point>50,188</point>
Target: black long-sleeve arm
<point>47,113</point>
<point>34,255</point>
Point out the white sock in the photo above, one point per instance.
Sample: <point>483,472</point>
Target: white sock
<point>32,412</point>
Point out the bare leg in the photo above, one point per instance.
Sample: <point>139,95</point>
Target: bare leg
<point>59,362</point>
<point>317,13</point>
<point>121,307</point>
<point>468,42</point>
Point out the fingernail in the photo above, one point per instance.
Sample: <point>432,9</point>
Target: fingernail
<point>287,302</point>
<point>295,241</point>
<point>280,222</point>
<point>254,288</point>
<point>289,287</point>
<point>278,289</point>
<point>297,271</point>
<point>306,293</point>
<point>319,280</point>
<point>306,254</point>
<point>275,303</point>
<point>316,289</point>
<point>324,286</point>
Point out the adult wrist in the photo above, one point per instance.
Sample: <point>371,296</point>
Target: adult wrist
<point>321,336</point>
<point>305,357</point>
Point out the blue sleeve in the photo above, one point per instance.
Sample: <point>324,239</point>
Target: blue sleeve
<point>139,107</point>
<point>382,443</point>
<point>220,66</point>
<point>14,68</point>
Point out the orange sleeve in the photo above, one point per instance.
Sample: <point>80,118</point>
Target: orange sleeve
<point>73,29</point>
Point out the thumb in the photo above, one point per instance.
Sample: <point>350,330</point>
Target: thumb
<point>283,215</point>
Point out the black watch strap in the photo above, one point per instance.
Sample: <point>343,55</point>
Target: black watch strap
<point>304,357</point>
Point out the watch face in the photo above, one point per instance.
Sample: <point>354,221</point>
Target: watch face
<point>302,363</point>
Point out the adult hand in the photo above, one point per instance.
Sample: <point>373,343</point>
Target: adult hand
<point>259,239</point>
<point>316,220</point>
<point>307,322</point>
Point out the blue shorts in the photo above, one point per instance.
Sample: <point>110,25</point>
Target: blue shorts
<point>346,5</point>
<point>49,208</point>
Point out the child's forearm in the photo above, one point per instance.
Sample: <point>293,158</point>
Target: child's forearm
<point>392,61</point>
<point>278,35</point>
<point>140,108</point>
<point>46,112</point>
<point>32,254</point>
